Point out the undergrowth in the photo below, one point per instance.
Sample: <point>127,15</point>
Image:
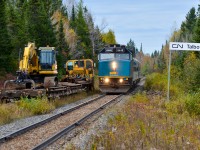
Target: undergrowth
<point>10,112</point>
<point>36,106</point>
<point>147,122</point>
<point>180,99</point>
<point>26,107</point>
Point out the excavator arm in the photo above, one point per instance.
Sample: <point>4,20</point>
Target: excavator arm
<point>29,62</point>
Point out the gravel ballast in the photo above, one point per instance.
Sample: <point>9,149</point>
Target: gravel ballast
<point>22,123</point>
<point>79,139</point>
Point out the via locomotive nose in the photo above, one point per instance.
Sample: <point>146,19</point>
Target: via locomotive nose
<point>118,70</point>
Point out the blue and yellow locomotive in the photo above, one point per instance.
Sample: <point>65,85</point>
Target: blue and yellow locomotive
<point>118,70</point>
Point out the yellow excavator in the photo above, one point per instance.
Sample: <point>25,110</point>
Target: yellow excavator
<point>37,68</point>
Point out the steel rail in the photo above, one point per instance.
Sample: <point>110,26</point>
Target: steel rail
<point>71,127</point>
<point>35,125</point>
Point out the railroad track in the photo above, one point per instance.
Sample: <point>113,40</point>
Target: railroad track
<point>42,134</point>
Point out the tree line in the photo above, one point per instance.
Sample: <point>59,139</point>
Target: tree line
<point>71,29</point>
<point>185,64</point>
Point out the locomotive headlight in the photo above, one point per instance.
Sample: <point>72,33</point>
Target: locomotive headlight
<point>106,80</point>
<point>114,65</point>
<point>120,80</point>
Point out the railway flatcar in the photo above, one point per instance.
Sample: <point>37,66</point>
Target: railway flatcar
<point>118,70</point>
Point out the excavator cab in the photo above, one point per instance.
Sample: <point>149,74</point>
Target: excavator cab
<point>47,60</point>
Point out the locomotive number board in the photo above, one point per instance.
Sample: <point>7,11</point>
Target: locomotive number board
<point>113,73</point>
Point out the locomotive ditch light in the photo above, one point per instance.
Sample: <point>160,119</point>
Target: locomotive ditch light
<point>107,80</point>
<point>120,80</point>
<point>114,65</point>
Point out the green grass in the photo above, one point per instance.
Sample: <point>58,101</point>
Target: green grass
<point>36,106</point>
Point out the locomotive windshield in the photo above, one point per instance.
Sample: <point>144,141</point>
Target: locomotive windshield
<point>108,56</point>
<point>122,56</point>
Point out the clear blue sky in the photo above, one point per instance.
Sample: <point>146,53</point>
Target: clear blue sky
<point>149,22</point>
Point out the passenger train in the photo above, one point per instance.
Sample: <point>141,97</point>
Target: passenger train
<point>118,70</point>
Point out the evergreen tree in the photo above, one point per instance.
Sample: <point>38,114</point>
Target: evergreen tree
<point>73,18</point>
<point>152,55</point>
<point>40,28</point>
<point>197,32</point>
<point>92,31</point>
<point>82,31</point>
<point>64,11</point>
<point>161,60</point>
<point>141,51</point>
<point>51,6</point>
<point>190,20</point>
<point>62,50</point>
<point>196,35</point>
<point>17,24</point>
<point>155,53</point>
<point>187,27</point>
<point>131,46</point>
<point>5,42</point>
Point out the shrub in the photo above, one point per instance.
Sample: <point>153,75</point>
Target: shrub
<point>140,98</point>
<point>177,106</point>
<point>9,112</point>
<point>141,125</point>
<point>191,72</point>
<point>36,105</point>
<point>186,102</point>
<point>193,104</point>
<point>156,81</point>
<point>159,82</point>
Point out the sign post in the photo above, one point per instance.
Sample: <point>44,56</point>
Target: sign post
<point>181,47</point>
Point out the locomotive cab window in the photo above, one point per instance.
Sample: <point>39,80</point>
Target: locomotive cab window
<point>122,56</point>
<point>107,56</point>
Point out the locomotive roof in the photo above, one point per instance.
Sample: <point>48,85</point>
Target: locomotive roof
<point>116,48</point>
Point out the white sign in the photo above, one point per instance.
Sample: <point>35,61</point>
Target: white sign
<point>184,46</point>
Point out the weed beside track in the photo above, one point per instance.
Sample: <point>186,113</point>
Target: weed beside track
<point>35,106</point>
<point>146,122</point>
